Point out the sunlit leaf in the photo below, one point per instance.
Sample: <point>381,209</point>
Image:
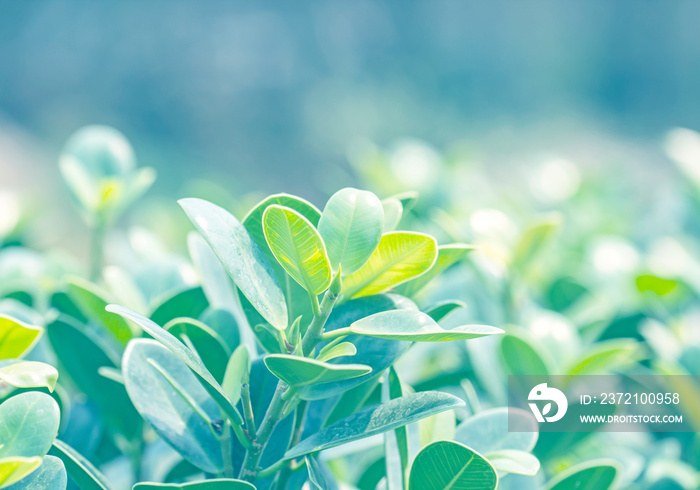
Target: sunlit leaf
<point>51,475</point>
<point>592,475</point>
<point>15,468</point>
<point>29,374</point>
<point>16,337</point>
<point>514,461</point>
<point>448,255</point>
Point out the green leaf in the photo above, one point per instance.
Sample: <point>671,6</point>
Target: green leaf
<point>445,465</point>
<point>606,356</point>
<point>399,257</point>
<point>298,248</point>
<point>655,284</point>
<point>487,431</point>
<point>189,302</point>
<point>592,475</point>
<point>300,371</point>
<point>535,238</point>
<point>237,368</point>
<point>351,227</point>
<point>187,356</point>
<point>92,301</point>
<point>205,342</point>
<point>241,257</point>
<point>395,442</point>
<point>439,427</point>
<point>215,484</point>
<point>81,471</point>
<point>513,461</point>
<point>343,349</point>
<point>81,355</point>
<point>316,478</point>
<point>14,468</point>
<point>29,374</point>
<point>216,284</point>
<point>415,326</point>
<point>376,420</point>
<point>393,212</point>
<point>522,357</point>
<point>170,398</point>
<point>448,255</point>
<point>28,425</point>
<point>441,310</point>
<point>51,475</point>
<point>16,337</point>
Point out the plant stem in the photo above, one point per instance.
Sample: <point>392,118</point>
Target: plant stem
<point>248,409</point>
<point>226,450</point>
<point>336,334</point>
<point>96,250</point>
<point>315,330</point>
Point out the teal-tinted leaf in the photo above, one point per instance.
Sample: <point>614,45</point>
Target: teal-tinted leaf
<point>534,239</point>
<point>81,471</point>
<point>376,420</point>
<point>184,354</point>
<point>399,257</point>
<point>92,301</point>
<point>605,356</point>
<point>225,324</point>
<point>444,465</point>
<point>393,212</point>
<point>395,442</point>
<point>438,427</point>
<point>487,431</point>
<point>298,248</point>
<point>205,342</point>
<point>16,337</point>
<point>415,326</point>
<point>300,371</point>
<point>15,468</point>
<point>241,257</point>
<point>123,287</point>
<point>170,398</point>
<point>441,310</point>
<point>215,484</point>
<point>448,255</point>
<point>81,355</point>
<point>190,302</point>
<point>352,400</point>
<point>237,368</point>
<point>29,374</point>
<point>513,461</point>
<point>51,475</point>
<point>522,357</point>
<point>216,284</point>
<point>351,227</point>
<point>376,353</point>
<point>343,349</point>
<point>407,199</point>
<point>592,475</point>
<point>316,478</point>
<point>28,425</point>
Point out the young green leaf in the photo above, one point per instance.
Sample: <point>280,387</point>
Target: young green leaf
<point>16,337</point>
<point>81,471</point>
<point>15,468</point>
<point>376,420</point>
<point>51,475</point>
<point>351,227</point>
<point>606,356</point>
<point>28,425</point>
<point>441,310</point>
<point>343,349</point>
<point>448,255</point>
<point>396,453</point>
<point>514,461</point>
<point>393,212</point>
<point>187,356</point>
<point>521,356</point>
<point>399,257</point>
<point>591,475</point>
<point>298,248</point>
<point>170,398</point>
<point>215,484</point>
<point>241,257</point>
<point>300,371</point>
<point>415,326</point>
<point>204,341</point>
<point>447,464</point>
<point>316,477</point>
<point>29,374</point>
<point>237,369</point>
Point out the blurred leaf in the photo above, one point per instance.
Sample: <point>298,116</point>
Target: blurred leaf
<point>592,475</point>
<point>237,368</point>
<point>28,425</point>
<point>446,464</point>
<point>29,374</point>
<point>514,461</point>
<point>351,227</point>
<point>216,283</point>
<point>187,356</point>
<point>393,212</point>
<point>215,484</point>
<point>439,427</point>
<point>521,356</point>
<point>376,420</point>
<point>487,431</point>
<point>298,248</point>
<point>316,478</point>
<point>343,349</point>
<point>441,310</point>
<point>190,303</point>
<point>51,475</point>
<point>534,239</point>
<point>299,371</point>
<point>654,284</point>
<point>170,398</point>
<point>16,337</point>
<point>202,340</point>
<point>241,257</point>
<point>448,255</point>
<point>415,326</point>
<point>399,257</point>
<point>81,471</point>
<point>92,301</point>
<point>606,356</point>
<point>395,442</point>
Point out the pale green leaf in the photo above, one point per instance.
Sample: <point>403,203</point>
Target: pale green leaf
<point>298,248</point>
<point>487,431</point>
<point>28,425</point>
<point>393,212</point>
<point>300,371</point>
<point>399,257</point>
<point>351,227</point>
<point>29,374</point>
<point>237,368</point>
<point>16,337</point>
<point>14,468</point>
<point>342,349</point>
<point>591,475</point>
<point>81,471</point>
<point>441,310</point>
<point>448,255</point>
<point>514,461</point>
<point>51,475</point>
<point>214,484</point>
